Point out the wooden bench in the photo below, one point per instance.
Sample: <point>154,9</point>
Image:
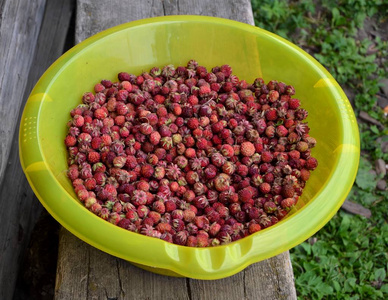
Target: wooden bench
<point>83,272</point>
<point>33,35</point>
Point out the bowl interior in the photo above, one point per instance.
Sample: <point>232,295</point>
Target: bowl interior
<point>136,47</point>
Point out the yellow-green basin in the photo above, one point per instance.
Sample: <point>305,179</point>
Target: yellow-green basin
<point>137,46</point>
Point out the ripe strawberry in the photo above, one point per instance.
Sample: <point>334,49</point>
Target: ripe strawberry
<point>265,187</point>
<point>247,149</point>
<point>192,123</point>
<point>281,131</point>
<point>304,174</point>
<point>227,150</point>
<point>245,194</point>
<point>163,227</point>
<point>270,207</point>
<point>93,157</point>
<point>287,203</point>
<point>271,114</point>
<point>78,121</point>
<point>70,141</point>
<point>253,227</point>
<point>311,163</point>
<point>267,156</point>
<point>100,113</point>
<point>202,240</point>
<point>293,103</point>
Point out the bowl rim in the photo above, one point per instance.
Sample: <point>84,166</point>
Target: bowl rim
<point>243,250</point>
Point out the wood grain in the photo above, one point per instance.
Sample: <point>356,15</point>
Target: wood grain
<point>20,208</point>
<point>85,272</point>
<point>19,28</point>
<point>111,278</point>
<point>95,16</point>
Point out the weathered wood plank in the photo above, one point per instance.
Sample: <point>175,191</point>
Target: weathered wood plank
<point>95,16</point>
<point>234,10</point>
<point>72,266</point>
<point>20,22</point>
<point>20,207</point>
<point>113,278</point>
<point>93,274</point>
<point>85,272</point>
<point>270,279</point>
<point>227,288</point>
<point>140,284</point>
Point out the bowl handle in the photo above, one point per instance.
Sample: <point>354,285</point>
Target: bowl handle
<point>29,134</point>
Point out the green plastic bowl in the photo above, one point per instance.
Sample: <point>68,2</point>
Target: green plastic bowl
<point>136,47</point>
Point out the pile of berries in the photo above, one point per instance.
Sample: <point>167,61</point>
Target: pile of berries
<point>192,156</point>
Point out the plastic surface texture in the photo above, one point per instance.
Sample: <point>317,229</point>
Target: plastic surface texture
<point>136,47</point>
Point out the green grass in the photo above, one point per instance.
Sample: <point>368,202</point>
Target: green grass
<point>347,259</point>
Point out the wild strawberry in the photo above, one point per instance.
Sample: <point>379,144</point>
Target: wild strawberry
<point>166,142</point>
<point>180,237</point>
<point>270,207</point>
<point>226,70</point>
<point>271,114</point>
<point>139,197</point>
<point>287,203</point>
<point>247,149</point>
<point>90,201</point>
<point>229,168</point>
<point>304,174</point>
<point>310,140</point>
<point>90,184</point>
<point>311,163</point>
<point>245,194</point>
<point>273,96</point>
<point>266,156</point>
<point>202,144</point>
<point>145,128</point>
<point>201,202</point>
<point>254,227</point>
<point>70,141</point>
<point>154,216</point>
<point>222,182</point>
<point>93,157</point>
<point>302,146</point>
<point>100,113</point>
<point>301,114</point>
<point>78,121</point>
<point>281,131</point>
<point>265,187</point>
<point>199,188</point>
<point>73,173</point>
<point>202,240</point>
<point>163,227</point>
<point>88,98</point>
<point>293,103</point>
<point>227,150</point>
<point>192,123</point>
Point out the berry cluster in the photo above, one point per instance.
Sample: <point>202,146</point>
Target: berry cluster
<point>191,156</point>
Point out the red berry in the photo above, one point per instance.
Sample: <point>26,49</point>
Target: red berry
<point>271,114</point>
<point>293,103</point>
<point>265,187</point>
<point>247,149</point>
<point>253,227</point>
<point>227,150</point>
<point>311,163</point>
<point>93,157</point>
<point>70,141</point>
